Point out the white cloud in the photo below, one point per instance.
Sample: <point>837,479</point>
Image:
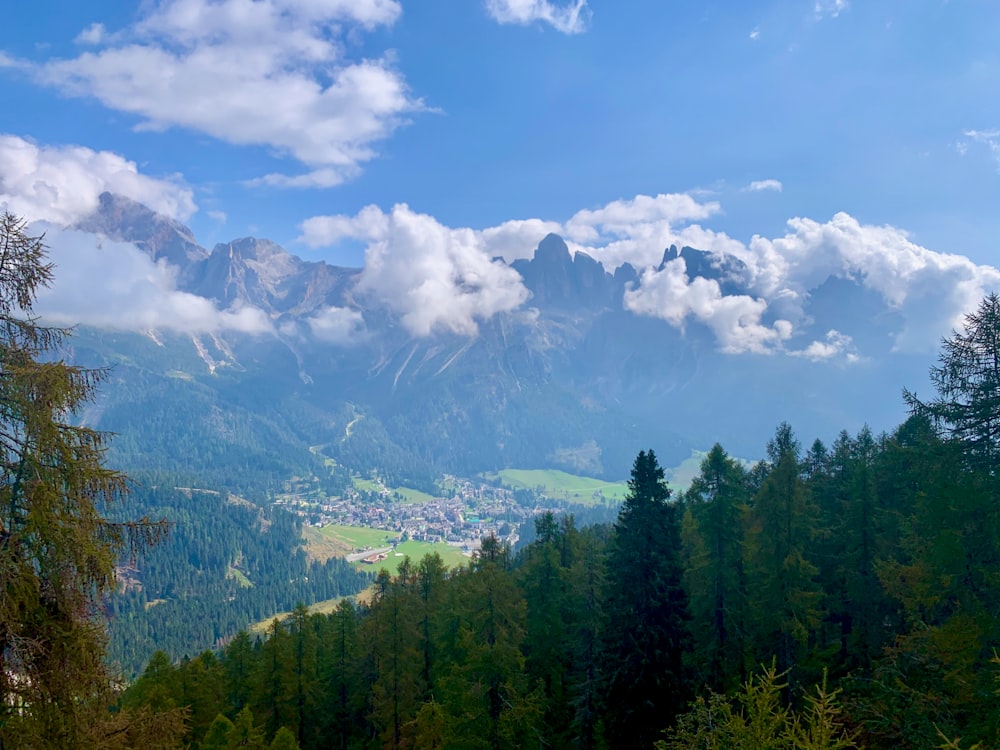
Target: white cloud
<point>517,238</point>
<point>436,278</point>
<point>755,34</point>
<point>635,231</point>
<point>760,185</point>
<point>736,320</point>
<point>322,231</point>
<point>251,72</point>
<point>317,178</point>
<point>829,8</point>
<point>93,34</point>
<point>337,325</point>
<point>61,184</point>
<point>988,138</point>
<point>441,278</point>
<point>569,17</point>
<point>115,285</point>
<point>932,290</point>
<point>835,345</point>
<point>219,216</point>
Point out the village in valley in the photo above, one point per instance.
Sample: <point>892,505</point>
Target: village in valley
<point>465,513</point>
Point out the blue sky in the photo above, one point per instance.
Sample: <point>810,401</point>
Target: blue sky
<point>286,118</point>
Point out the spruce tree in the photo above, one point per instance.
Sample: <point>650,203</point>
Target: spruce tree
<point>646,630</point>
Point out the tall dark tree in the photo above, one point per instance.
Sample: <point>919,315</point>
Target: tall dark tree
<point>967,380</point>
<point>58,550</point>
<point>646,631</point>
<point>781,577</point>
<point>714,524</point>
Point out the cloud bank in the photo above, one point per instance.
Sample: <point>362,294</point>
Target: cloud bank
<point>61,184</point>
<point>569,18</point>
<point>269,73</point>
<point>441,278</point>
<point>107,284</point>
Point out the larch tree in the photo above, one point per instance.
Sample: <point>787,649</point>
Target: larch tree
<point>713,531</point>
<point>781,579</point>
<point>58,551</point>
<point>967,381</point>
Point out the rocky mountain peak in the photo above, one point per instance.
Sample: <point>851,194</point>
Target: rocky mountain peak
<point>126,220</point>
<point>560,279</point>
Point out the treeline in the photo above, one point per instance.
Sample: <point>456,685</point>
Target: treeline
<point>226,563</point>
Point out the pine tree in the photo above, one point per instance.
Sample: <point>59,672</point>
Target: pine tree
<point>646,629</point>
<point>58,551</point>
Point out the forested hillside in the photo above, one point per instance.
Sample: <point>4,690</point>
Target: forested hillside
<point>225,564</point>
<point>841,595</point>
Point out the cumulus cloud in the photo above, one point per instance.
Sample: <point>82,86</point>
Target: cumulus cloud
<point>434,277</point>
<point>932,290</point>
<point>635,231</point>
<point>61,184</point>
<point>569,18</point>
<point>760,185</point>
<point>736,320</point>
<point>115,285</point>
<point>835,345</point>
<point>250,72</point>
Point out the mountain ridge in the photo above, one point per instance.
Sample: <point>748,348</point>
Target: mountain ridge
<point>570,379</point>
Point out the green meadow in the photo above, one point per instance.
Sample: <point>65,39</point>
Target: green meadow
<point>358,537</point>
<point>559,485</point>
<point>452,556</point>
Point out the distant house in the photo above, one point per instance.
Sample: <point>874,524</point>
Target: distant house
<point>376,558</point>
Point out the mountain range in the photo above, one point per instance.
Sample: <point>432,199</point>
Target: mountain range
<point>569,379</point>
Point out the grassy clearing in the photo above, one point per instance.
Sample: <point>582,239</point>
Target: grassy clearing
<point>358,537</point>
<point>320,547</point>
<point>367,485</point>
<point>240,576</point>
<point>452,556</point>
<point>410,495</point>
<point>325,607</point>
<point>559,485</point>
